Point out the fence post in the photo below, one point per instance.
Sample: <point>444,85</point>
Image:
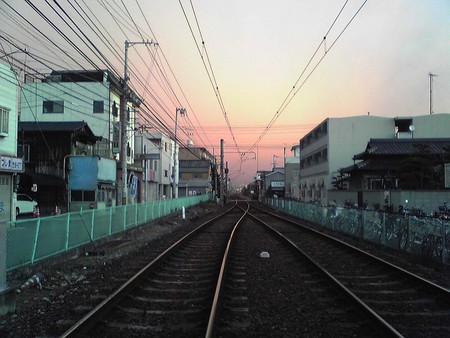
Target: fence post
<point>7,295</point>
<point>67,231</point>
<point>125,209</point>
<point>92,224</point>
<point>444,242</point>
<point>407,248</point>
<point>110,220</point>
<point>2,256</point>
<point>145,212</point>
<point>38,226</point>
<point>363,223</point>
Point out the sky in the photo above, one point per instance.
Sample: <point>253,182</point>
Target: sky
<point>238,84</point>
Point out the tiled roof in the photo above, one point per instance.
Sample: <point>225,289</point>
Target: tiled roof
<point>385,147</point>
<point>53,126</point>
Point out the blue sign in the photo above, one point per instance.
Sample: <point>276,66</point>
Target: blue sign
<point>83,173</point>
<point>133,186</point>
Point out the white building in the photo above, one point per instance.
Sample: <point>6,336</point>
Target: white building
<point>292,171</point>
<point>332,144</point>
<point>91,96</point>
<point>10,164</point>
<point>156,152</point>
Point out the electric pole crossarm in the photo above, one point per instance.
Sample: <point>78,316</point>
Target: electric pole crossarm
<point>123,120</point>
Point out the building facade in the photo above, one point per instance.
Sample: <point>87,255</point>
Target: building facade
<point>195,171</point>
<point>155,153</point>
<point>95,98</point>
<point>331,145</point>
<point>10,164</point>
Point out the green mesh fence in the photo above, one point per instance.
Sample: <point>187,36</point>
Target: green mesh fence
<point>31,240</point>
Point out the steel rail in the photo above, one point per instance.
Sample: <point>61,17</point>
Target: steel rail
<point>384,326</point>
<point>424,282</point>
<point>211,328</point>
<point>93,316</point>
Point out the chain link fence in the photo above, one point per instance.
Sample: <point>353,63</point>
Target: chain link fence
<point>31,240</point>
<point>427,236</point>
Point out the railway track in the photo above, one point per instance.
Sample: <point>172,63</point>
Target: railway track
<point>174,295</point>
<point>208,284</point>
<point>407,304</point>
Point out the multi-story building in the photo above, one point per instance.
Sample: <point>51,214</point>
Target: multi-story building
<point>331,145</point>
<point>195,171</point>
<point>155,152</point>
<point>10,164</point>
<point>93,98</point>
<point>291,170</point>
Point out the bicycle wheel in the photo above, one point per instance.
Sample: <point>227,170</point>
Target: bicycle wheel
<point>403,241</point>
<point>428,245</point>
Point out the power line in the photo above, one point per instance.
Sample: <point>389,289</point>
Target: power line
<point>209,71</point>
<point>295,90</point>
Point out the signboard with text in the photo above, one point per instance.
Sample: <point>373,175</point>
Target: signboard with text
<point>12,164</point>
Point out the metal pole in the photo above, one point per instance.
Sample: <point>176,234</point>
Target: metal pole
<point>123,130</point>
<point>182,111</point>
<point>222,200</point>
<point>226,180</point>
<point>123,120</point>
<point>175,154</point>
<point>431,92</point>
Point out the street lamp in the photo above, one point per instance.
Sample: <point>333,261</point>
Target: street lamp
<point>182,111</point>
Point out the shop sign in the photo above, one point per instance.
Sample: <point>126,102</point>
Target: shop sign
<point>13,164</point>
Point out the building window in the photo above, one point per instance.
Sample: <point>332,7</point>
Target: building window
<point>166,173</point>
<point>4,121</point>
<point>98,107</point>
<point>53,107</point>
<point>82,195</point>
<point>114,109</point>
<point>23,150</point>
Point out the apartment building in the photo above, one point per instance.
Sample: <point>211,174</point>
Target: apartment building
<point>155,153</point>
<point>195,171</point>
<point>331,145</point>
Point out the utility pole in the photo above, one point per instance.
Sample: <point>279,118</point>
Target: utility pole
<point>123,119</point>
<point>226,181</point>
<point>431,92</point>
<point>222,199</point>
<point>182,111</point>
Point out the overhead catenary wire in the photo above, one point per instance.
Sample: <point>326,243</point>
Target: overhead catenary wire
<point>209,70</point>
<point>294,90</point>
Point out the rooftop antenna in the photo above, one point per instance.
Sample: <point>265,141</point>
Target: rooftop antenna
<point>431,92</point>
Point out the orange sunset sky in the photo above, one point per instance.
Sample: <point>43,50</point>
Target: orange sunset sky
<point>233,64</point>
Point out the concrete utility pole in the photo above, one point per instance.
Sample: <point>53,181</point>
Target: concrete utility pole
<point>123,120</point>
<point>431,92</point>
<point>182,111</point>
